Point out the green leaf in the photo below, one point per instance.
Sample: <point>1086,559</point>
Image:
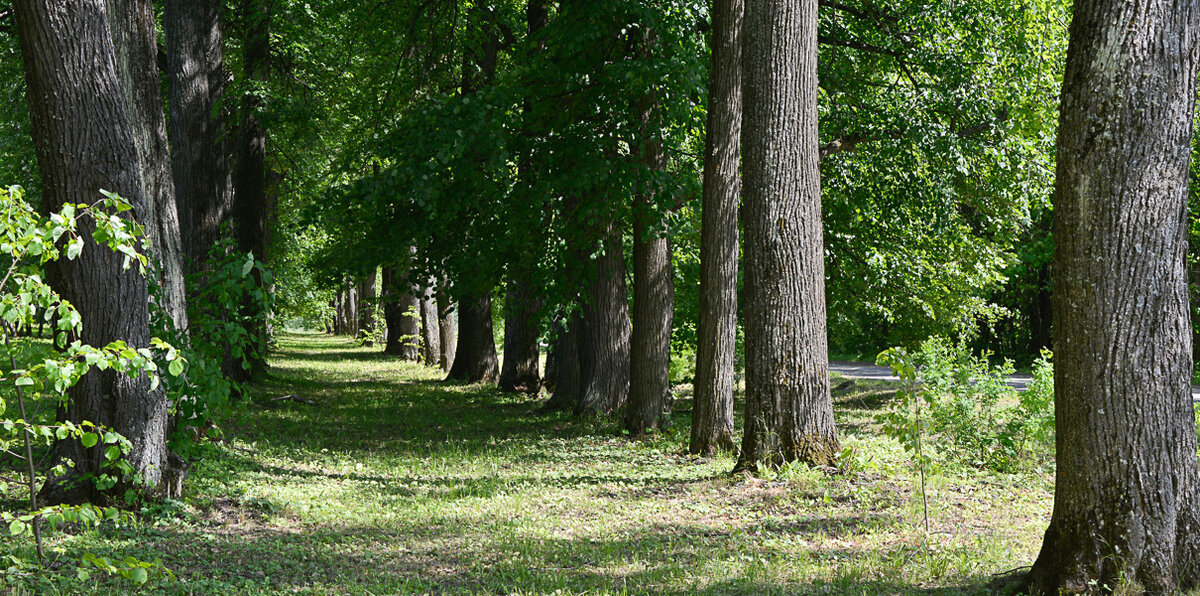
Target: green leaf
<point>24,381</point>
<point>89,439</point>
<point>16,528</point>
<point>175,368</point>
<point>139,576</point>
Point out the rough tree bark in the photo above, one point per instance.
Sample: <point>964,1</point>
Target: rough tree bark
<point>402,330</point>
<point>1125,498</point>
<point>367,303</point>
<point>521,352</point>
<point>712,402</point>
<point>789,413</point>
<point>80,113</point>
<point>132,26</point>
<point>447,326</point>
<point>604,333</point>
<point>200,157</point>
<point>523,300</point>
<point>431,339</point>
<point>653,292</point>
<point>568,387</point>
<point>475,356</point>
<point>250,197</point>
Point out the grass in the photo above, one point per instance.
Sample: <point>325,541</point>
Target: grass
<point>394,482</point>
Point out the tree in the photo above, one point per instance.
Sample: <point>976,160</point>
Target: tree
<point>431,338</point>
<point>604,333</point>
<point>1125,498</point>
<point>85,139</point>
<point>368,298</point>
<point>403,330</point>
<point>475,356</point>
<point>712,403</point>
<point>250,178</point>
<point>789,413</point>
<point>199,150</point>
<point>653,281</point>
<point>135,41</point>
<point>521,351</point>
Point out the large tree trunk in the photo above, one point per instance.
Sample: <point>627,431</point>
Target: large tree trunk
<point>431,335</point>
<point>250,198</point>
<point>653,294</point>
<point>367,300</point>
<point>132,26</point>
<point>475,357</point>
<point>1125,497</point>
<point>199,153</point>
<point>447,326</point>
<point>604,334</point>
<point>712,402</point>
<point>80,113</point>
<point>521,351</point>
<point>403,330</point>
<point>568,387</point>
<point>789,413</point>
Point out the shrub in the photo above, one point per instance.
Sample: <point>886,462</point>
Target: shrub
<point>972,411</point>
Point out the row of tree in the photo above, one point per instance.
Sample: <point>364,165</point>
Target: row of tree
<point>94,94</point>
<point>591,169</point>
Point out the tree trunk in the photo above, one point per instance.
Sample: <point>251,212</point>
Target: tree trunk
<point>604,334</point>
<point>447,327</point>
<point>199,154</point>
<point>80,114</point>
<point>367,299</point>
<point>475,356</point>
<point>132,25</point>
<point>401,328</point>
<point>521,352</point>
<point>653,293</point>
<point>431,339</point>
<point>1125,498</point>
<point>789,413</point>
<point>250,198</point>
<point>568,387</point>
<point>712,402</point>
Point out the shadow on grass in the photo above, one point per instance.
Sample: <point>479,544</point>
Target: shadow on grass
<point>443,556</point>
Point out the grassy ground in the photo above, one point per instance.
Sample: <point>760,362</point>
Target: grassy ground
<point>393,482</point>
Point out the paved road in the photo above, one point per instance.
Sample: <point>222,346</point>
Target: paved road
<point>866,370</point>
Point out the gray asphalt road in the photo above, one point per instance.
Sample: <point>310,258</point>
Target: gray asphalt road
<point>867,370</point>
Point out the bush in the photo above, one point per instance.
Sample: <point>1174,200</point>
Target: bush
<point>979,419</point>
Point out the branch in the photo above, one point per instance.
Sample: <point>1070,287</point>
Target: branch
<point>851,142</point>
<point>858,45</point>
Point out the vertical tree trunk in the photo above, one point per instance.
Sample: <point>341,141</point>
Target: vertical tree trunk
<point>250,199</point>
<point>132,26</point>
<point>403,330</point>
<point>521,351</point>
<point>367,300</point>
<point>653,293</point>
<point>447,327</point>
<point>431,338</point>
<point>604,333</point>
<point>789,413</point>
<point>199,154</point>
<point>80,114</point>
<point>568,386</point>
<point>1125,497</point>
<point>475,356</point>
<point>712,403</point>
<point>352,309</point>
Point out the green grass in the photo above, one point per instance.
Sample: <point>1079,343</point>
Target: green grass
<point>394,482</point>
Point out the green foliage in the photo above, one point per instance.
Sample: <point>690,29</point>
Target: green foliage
<point>29,242</point>
<point>226,305</point>
<point>979,419</point>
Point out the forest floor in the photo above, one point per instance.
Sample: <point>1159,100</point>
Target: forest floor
<point>393,482</point>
